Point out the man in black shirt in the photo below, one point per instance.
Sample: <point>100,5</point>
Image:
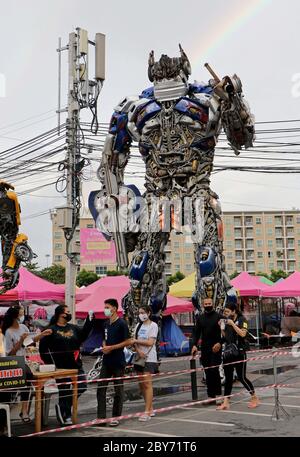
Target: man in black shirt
<point>116,338</point>
<point>208,328</point>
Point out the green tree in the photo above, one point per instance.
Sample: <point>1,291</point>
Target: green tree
<point>117,273</point>
<point>234,274</point>
<point>277,274</point>
<point>175,278</point>
<point>33,267</point>
<point>55,273</point>
<point>85,278</point>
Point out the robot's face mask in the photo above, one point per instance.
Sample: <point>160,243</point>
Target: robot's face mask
<point>169,67</point>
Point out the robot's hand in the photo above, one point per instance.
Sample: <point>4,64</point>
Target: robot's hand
<point>10,280</point>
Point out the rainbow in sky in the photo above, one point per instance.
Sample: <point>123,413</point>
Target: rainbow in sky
<point>244,11</point>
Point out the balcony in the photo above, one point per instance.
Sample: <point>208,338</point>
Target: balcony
<point>278,221</point>
<point>289,221</point>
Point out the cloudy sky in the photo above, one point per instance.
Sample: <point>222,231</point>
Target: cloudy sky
<point>257,39</point>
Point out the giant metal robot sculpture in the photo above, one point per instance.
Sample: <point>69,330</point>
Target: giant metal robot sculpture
<point>176,126</point>
<point>14,244</point>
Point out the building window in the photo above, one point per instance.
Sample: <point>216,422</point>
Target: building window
<point>259,243</point>
<point>57,235</point>
<point>260,267</point>
<point>58,258</point>
<point>291,265</point>
<point>260,255</point>
<point>248,220</point>
<point>298,219</point>
<point>258,232</point>
<point>238,233</point>
<point>229,255</point>
<point>89,225</point>
<point>270,232</point>
<point>237,220</point>
<point>188,267</point>
<point>290,231</point>
<point>270,254</point>
<point>176,244</point>
<point>228,220</point>
<point>289,220</point>
<point>249,232</point>
<point>229,244</point>
<point>280,265</point>
<point>270,243</point>
<point>239,255</point>
<point>279,243</point>
<point>230,266</point>
<point>278,231</point>
<point>258,220</point>
<point>101,270</point>
<point>239,267</point>
<point>177,267</point>
<point>249,244</point>
<point>270,220</point>
<point>187,255</point>
<point>271,266</point>
<point>177,255</point>
<point>58,246</point>
<point>250,266</point>
<point>278,220</point>
<point>238,245</point>
<point>228,233</point>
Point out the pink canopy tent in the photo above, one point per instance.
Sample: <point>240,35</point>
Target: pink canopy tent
<point>85,292</point>
<point>32,287</point>
<point>248,285</point>
<point>289,287</point>
<point>116,287</point>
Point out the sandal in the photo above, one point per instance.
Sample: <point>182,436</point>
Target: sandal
<point>26,419</point>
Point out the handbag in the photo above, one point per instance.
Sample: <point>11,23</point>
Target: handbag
<point>230,352</point>
<point>137,360</point>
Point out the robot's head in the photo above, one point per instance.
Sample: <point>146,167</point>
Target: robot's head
<point>169,67</point>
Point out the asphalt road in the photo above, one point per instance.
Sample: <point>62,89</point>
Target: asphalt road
<point>196,420</point>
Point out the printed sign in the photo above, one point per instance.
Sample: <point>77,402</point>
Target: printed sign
<point>12,372</point>
<point>95,249</point>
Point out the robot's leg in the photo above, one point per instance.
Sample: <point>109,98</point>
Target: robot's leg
<point>147,278</point>
<point>211,278</point>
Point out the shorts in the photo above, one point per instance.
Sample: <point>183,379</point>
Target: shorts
<point>150,367</point>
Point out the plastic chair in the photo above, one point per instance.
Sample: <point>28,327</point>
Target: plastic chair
<point>7,409</point>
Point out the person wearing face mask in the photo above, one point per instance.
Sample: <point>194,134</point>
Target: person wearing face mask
<point>62,348</point>
<point>207,328</point>
<point>15,333</point>
<point>234,331</point>
<point>116,338</point>
<point>145,338</point>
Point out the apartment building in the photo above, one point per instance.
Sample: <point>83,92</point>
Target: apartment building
<point>253,241</point>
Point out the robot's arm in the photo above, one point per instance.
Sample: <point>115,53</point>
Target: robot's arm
<point>115,157</point>
<point>235,114</point>
<point>14,245</point>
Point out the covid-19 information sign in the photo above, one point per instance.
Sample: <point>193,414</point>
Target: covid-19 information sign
<point>12,372</point>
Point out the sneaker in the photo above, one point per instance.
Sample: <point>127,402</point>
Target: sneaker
<point>144,418</point>
<point>59,415</point>
<point>114,423</point>
<point>68,421</point>
<point>152,414</point>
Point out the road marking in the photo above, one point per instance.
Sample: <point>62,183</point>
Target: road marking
<point>287,406</point>
<point>290,396</point>
<point>143,432</point>
<point>245,413</point>
<point>201,422</point>
<point>125,430</point>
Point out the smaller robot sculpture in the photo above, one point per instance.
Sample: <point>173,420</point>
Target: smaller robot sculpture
<point>13,244</point>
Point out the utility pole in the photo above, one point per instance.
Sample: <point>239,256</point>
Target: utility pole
<point>82,93</point>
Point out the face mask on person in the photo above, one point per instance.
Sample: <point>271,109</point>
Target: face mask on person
<point>208,309</point>
<point>143,317</point>
<point>21,319</point>
<point>107,312</point>
<point>68,317</point>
